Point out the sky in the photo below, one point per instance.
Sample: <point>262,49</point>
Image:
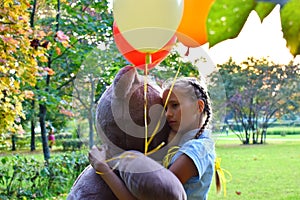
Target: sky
<point>257,39</point>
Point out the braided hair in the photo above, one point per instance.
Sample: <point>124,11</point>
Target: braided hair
<point>202,94</point>
<point>197,91</point>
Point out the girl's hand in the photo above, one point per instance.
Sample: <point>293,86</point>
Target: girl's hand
<point>97,158</point>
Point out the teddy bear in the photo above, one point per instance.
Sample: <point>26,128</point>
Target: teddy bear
<point>120,124</point>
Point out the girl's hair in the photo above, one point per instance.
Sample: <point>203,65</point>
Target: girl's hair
<point>197,91</point>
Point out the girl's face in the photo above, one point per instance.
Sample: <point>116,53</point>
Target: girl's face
<point>182,112</point>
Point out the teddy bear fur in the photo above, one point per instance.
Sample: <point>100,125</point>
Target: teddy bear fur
<point>120,124</point>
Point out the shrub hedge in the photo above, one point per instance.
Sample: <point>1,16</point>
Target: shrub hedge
<point>283,130</point>
<point>22,177</point>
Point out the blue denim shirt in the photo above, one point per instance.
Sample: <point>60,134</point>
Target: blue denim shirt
<point>202,152</point>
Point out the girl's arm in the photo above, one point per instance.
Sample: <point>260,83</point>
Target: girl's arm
<point>184,168</point>
<point>97,160</point>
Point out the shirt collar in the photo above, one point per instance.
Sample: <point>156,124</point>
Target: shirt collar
<point>191,135</point>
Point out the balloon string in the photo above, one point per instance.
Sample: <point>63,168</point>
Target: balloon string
<point>165,105</point>
<point>122,156</point>
<point>171,152</point>
<point>155,149</point>
<point>147,61</point>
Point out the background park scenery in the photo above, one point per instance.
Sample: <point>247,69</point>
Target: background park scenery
<point>59,56</point>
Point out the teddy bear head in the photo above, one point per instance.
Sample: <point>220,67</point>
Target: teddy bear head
<point>120,114</point>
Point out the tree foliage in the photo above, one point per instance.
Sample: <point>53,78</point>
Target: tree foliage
<point>257,92</point>
<point>18,63</point>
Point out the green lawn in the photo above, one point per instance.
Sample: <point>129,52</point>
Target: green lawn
<point>269,171</point>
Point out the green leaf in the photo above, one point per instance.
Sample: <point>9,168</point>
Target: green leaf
<point>4,160</point>
<point>263,9</point>
<point>226,19</point>
<point>290,15</point>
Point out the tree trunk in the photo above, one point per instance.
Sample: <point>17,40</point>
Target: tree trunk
<point>91,131</point>
<point>91,112</point>
<point>78,131</point>
<point>13,141</point>
<point>32,141</point>
<point>42,117</point>
<point>254,141</point>
<point>256,138</point>
<point>264,133</point>
<point>32,14</point>
<point>262,136</point>
<point>46,151</point>
<point>247,139</point>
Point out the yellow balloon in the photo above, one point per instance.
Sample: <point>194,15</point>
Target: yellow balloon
<point>148,24</point>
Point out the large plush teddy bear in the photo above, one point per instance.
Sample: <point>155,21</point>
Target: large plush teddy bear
<point>120,124</point>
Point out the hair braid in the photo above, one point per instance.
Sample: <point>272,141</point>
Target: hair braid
<point>203,95</point>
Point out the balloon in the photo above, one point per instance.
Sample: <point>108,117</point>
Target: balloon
<point>147,25</point>
<point>138,58</point>
<point>192,29</point>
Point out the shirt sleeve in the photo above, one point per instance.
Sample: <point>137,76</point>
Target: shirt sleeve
<point>201,151</point>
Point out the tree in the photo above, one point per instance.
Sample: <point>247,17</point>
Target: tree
<point>18,64</point>
<point>257,92</point>
<point>70,31</point>
<point>96,74</point>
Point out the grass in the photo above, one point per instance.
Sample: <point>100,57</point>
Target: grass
<point>269,171</point>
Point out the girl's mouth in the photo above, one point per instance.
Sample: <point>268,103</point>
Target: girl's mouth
<point>172,122</point>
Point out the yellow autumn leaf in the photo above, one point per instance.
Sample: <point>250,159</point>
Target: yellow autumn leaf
<point>16,84</point>
<point>65,44</point>
<point>9,40</point>
<point>28,94</point>
<point>58,51</point>
<point>7,3</point>
<point>43,58</point>
<point>41,34</point>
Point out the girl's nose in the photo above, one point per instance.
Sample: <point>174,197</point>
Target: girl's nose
<point>168,113</point>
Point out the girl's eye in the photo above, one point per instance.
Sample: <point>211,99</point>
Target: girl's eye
<point>175,105</point>
<point>172,106</point>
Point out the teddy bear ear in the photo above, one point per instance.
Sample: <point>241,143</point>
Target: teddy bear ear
<point>123,81</point>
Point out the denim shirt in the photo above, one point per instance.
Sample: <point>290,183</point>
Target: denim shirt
<point>202,152</point>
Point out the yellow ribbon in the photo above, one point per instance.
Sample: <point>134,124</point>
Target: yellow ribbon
<point>163,111</point>
<point>171,152</point>
<point>124,155</point>
<point>222,174</point>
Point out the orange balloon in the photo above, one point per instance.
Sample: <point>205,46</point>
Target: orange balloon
<point>192,28</point>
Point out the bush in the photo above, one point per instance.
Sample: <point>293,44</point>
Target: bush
<point>71,144</point>
<point>285,123</point>
<point>283,130</point>
<point>22,177</point>
<point>64,135</point>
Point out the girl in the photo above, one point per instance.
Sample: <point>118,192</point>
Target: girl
<point>188,112</point>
